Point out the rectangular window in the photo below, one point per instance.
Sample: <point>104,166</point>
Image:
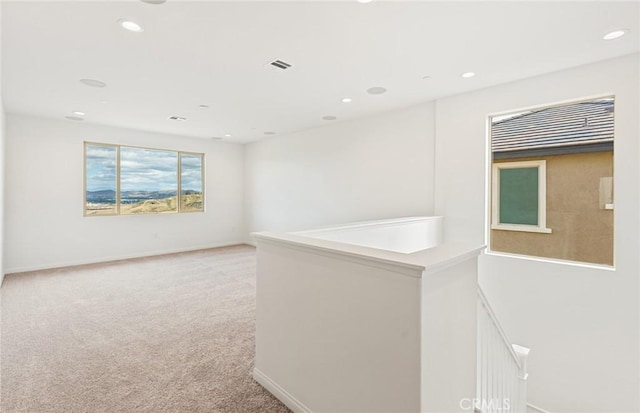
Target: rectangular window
<point>519,190</point>
<point>124,180</point>
<point>101,179</point>
<point>552,184</point>
<point>191,188</point>
<point>148,181</point>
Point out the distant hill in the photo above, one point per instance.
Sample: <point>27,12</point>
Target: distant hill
<point>128,197</point>
<point>190,203</point>
<point>142,202</point>
<point>104,196</point>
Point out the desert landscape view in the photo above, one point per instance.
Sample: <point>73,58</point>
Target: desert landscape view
<point>191,202</point>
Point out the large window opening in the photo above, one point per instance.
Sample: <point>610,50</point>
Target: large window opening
<point>552,182</point>
<point>125,180</point>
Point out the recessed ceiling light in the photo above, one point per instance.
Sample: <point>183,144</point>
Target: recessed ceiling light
<point>467,75</point>
<point>377,90</point>
<point>614,34</point>
<point>329,117</point>
<point>130,25</point>
<point>227,135</point>
<point>77,112</point>
<point>364,1</point>
<point>347,100</point>
<point>76,118</point>
<point>153,1</point>
<point>92,83</point>
<point>269,133</point>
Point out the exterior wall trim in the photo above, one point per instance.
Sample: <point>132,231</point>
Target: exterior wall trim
<point>564,150</point>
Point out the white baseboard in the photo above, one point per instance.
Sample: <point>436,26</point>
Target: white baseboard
<point>119,257</point>
<point>280,393</point>
<point>536,409</point>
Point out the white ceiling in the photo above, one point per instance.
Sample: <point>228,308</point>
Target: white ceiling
<point>214,53</point>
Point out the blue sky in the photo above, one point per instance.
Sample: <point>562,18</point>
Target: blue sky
<point>101,168</point>
<point>148,170</point>
<point>141,169</point>
<point>191,172</point>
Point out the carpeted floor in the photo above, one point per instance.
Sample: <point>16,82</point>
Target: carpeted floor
<point>165,334</point>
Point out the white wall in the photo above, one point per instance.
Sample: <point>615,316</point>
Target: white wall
<point>378,167</point>
<point>44,220</point>
<point>580,323</point>
<point>2,165</point>
<point>2,185</point>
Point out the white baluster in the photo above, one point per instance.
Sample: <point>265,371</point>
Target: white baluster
<point>502,368</point>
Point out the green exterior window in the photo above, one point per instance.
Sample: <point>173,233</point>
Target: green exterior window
<point>519,196</point>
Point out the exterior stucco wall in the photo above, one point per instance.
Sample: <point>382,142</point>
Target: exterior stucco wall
<point>581,230</point>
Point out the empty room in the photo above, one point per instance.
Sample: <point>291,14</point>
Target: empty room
<point>320,206</point>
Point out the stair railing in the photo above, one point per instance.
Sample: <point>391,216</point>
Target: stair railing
<point>502,366</point>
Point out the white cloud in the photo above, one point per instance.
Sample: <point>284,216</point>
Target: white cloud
<point>141,169</point>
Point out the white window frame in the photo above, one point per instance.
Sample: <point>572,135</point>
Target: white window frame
<point>541,165</point>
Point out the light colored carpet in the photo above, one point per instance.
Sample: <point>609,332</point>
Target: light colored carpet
<point>172,333</point>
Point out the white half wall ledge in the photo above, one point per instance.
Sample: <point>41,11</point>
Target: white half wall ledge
<point>376,243</point>
<point>413,264</point>
<point>349,328</point>
<point>405,235</point>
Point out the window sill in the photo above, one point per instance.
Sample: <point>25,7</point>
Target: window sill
<point>521,228</point>
<point>558,261</point>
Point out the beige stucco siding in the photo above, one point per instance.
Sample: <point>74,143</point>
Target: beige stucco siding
<point>581,230</point>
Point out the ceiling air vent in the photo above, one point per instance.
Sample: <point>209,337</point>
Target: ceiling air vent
<point>178,118</point>
<point>280,64</point>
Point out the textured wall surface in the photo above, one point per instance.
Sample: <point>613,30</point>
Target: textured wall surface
<point>581,230</point>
